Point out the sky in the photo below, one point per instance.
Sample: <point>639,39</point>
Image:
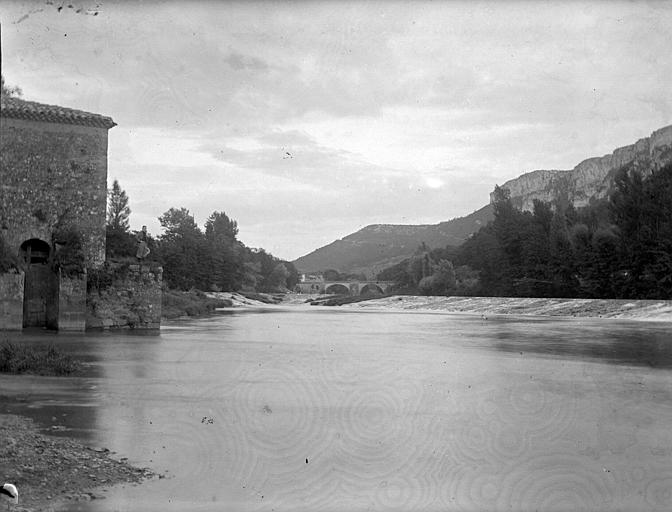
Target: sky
<point>306,121</point>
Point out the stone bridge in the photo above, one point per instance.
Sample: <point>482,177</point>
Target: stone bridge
<point>345,287</point>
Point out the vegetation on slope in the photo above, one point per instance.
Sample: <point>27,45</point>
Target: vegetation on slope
<point>381,245</point>
<point>620,247</point>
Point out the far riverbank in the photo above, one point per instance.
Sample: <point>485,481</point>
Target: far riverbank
<point>649,310</point>
<point>646,310</point>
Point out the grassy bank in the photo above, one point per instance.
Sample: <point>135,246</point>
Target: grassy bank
<point>175,303</point>
<point>17,358</point>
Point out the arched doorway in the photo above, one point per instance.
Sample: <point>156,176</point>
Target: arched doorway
<point>40,289</point>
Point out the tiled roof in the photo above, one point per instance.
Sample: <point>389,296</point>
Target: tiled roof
<point>30,110</point>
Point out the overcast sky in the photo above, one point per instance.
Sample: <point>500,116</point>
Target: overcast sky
<point>306,121</point>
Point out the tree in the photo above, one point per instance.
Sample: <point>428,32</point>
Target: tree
<point>441,281</point>
<point>331,275</point>
<point>219,225</point>
<point>183,251</point>
<point>277,280</point>
<point>118,211</point>
<point>224,251</point>
<point>119,242</point>
<point>8,90</point>
<point>641,210</point>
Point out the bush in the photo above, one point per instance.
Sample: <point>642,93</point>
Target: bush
<point>69,256</point>
<point>17,358</point>
<point>8,261</point>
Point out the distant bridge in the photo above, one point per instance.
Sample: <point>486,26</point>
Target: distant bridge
<point>345,287</point>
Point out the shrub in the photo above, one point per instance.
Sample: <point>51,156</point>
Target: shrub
<point>17,358</point>
<point>69,256</point>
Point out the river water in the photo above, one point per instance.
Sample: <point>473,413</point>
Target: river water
<point>307,409</point>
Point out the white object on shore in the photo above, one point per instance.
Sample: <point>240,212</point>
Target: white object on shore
<point>10,494</point>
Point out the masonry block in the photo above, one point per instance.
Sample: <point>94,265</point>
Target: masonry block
<point>11,301</point>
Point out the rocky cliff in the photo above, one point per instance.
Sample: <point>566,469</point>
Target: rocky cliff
<point>376,247</point>
<point>592,178</point>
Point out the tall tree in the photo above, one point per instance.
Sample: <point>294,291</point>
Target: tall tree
<point>183,251</point>
<point>219,225</point>
<point>119,243</point>
<point>118,211</point>
<point>225,251</point>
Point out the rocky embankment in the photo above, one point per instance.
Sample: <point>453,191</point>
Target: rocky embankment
<point>650,310</point>
<point>52,472</point>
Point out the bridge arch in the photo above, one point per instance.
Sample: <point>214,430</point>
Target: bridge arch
<point>371,289</point>
<point>337,289</point>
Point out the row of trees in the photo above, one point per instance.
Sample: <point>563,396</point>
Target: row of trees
<point>618,247</point>
<point>207,259</point>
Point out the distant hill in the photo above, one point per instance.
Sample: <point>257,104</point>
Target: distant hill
<point>378,246</point>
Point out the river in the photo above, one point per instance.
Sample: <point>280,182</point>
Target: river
<point>307,409</point>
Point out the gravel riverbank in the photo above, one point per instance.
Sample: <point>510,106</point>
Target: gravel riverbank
<point>51,472</point>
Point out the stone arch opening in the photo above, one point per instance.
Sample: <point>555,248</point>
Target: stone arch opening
<point>35,251</point>
<point>371,289</point>
<point>337,289</point>
<point>40,290</point>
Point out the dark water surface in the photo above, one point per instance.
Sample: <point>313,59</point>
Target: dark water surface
<point>301,409</point>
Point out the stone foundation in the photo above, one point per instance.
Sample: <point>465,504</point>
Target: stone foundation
<point>11,302</point>
<point>71,303</point>
<point>125,295</point>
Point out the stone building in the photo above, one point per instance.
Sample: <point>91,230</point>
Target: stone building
<point>53,170</point>
<point>53,178</point>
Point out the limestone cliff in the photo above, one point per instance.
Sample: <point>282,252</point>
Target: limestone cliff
<point>592,178</point>
<point>378,246</point>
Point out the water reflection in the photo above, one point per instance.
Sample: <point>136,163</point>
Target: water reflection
<point>311,409</point>
<point>625,343</point>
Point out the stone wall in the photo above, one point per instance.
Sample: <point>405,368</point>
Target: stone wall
<point>11,301</point>
<point>53,172</point>
<point>71,303</point>
<point>125,296</point>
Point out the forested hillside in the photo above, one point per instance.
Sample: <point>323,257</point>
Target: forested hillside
<point>378,246</point>
<point>616,247</point>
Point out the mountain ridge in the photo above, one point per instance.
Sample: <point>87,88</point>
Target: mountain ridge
<point>592,178</point>
<point>377,246</point>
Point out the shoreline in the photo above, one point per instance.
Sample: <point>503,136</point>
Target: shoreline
<point>51,472</point>
<point>649,310</point>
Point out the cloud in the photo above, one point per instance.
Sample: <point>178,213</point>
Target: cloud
<point>347,112</point>
<point>239,62</point>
